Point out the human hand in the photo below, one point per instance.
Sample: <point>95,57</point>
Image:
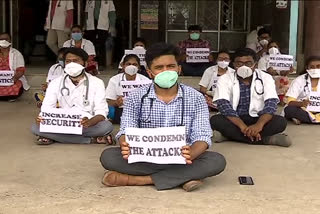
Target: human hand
<point>125,150</point>
<point>15,79</point>
<point>39,120</point>
<point>186,153</point>
<point>119,101</point>
<point>272,72</point>
<point>284,73</point>
<point>44,86</point>
<point>253,132</point>
<point>209,101</point>
<point>86,123</point>
<point>305,103</point>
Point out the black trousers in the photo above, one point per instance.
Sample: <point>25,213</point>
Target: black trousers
<point>98,38</point>
<point>166,176</point>
<point>298,113</point>
<point>222,124</point>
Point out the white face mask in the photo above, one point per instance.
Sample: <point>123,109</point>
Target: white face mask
<point>223,64</point>
<point>314,73</point>
<point>273,51</point>
<point>73,69</point>
<point>4,43</point>
<point>244,72</point>
<point>139,48</point>
<point>131,70</point>
<point>264,42</point>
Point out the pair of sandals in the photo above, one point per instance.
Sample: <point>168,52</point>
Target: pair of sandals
<point>109,140</point>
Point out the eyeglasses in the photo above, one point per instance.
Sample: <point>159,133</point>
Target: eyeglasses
<point>239,63</point>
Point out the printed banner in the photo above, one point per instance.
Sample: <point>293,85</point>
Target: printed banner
<point>197,55</point>
<point>281,62</point>
<point>6,78</point>
<point>128,86</point>
<point>314,105</point>
<point>64,121</point>
<point>156,145</point>
<point>140,52</point>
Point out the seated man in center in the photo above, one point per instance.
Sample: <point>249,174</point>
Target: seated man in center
<point>247,100</point>
<point>165,103</point>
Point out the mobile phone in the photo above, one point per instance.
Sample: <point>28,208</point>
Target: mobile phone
<point>245,180</point>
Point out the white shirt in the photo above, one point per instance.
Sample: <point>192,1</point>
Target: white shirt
<point>113,89</point>
<point>59,18</point>
<point>55,71</point>
<point>210,77</point>
<point>103,22</point>
<point>86,45</point>
<point>75,99</point>
<point>228,88</point>
<point>255,46</point>
<point>16,60</point>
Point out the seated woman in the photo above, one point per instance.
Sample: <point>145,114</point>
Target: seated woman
<point>77,41</point>
<point>297,97</point>
<point>114,94</point>
<point>208,82</point>
<point>11,60</point>
<point>280,77</point>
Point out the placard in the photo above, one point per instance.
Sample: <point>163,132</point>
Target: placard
<point>314,99</point>
<point>197,55</point>
<point>156,145</point>
<point>6,78</point>
<point>281,62</point>
<point>58,120</point>
<point>140,52</point>
<point>128,86</point>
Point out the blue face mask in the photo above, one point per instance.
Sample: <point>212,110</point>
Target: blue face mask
<point>76,36</point>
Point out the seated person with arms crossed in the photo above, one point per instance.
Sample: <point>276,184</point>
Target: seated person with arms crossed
<point>168,104</point>
<point>114,95</point>
<point>297,97</point>
<point>80,90</point>
<point>208,82</point>
<point>247,100</point>
<point>194,41</point>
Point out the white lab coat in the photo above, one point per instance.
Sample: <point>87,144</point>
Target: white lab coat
<point>103,22</point>
<point>299,89</point>
<point>210,77</point>
<point>86,45</point>
<point>96,96</point>
<point>113,89</point>
<point>59,18</point>
<point>55,71</point>
<point>228,88</point>
<point>16,60</point>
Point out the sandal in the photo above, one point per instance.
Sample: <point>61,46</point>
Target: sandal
<point>44,141</point>
<point>109,140</point>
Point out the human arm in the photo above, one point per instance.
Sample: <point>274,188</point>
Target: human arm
<point>18,74</point>
<point>99,101</point>
<point>192,152</point>
<point>69,16</point>
<point>86,123</point>
<point>117,103</point>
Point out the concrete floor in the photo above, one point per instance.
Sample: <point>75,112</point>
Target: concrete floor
<point>66,178</point>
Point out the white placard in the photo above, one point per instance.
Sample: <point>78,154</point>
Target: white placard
<point>281,62</point>
<point>6,78</point>
<point>140,52</point>
<point>58,120</point>
<point>314,105</point>
<point>197,55</point>
<point>156,145</point>
<point>128,86</point>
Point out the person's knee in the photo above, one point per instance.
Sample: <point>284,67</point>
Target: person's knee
<point>216,163</point>
<point>109,157</point>
<point>289,111</point>
<point>281,123</point>
<point>216,121</point>
<point>103,128</point>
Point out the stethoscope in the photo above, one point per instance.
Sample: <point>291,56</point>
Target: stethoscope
<point>257,79</point>
<point>147,120</point>
<point>59,3</point>
<point>306,86</point>
<point>64,88</point>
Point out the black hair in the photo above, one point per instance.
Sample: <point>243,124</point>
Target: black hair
<point>311,59</point>
<point>131,56</point>
<point>5,33</point>
<point>76,51</point>
<point>161,49</point>
<point>224,51</point>
<point>194,28</point>
<point>62,50</point>
<point>76,26</point>
<point>264,31</point>
<point>245,52</point>
<point>140,39</point>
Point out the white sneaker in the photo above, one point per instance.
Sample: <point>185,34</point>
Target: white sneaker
<point>218,137</point>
